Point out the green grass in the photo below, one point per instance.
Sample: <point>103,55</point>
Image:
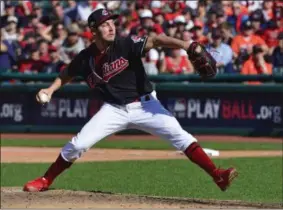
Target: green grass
<point>260,179</point>
<point>145,144</point>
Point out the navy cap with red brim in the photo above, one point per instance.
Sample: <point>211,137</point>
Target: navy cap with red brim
<point>100,16</point>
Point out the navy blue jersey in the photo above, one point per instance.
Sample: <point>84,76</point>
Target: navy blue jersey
<point>118,75</point>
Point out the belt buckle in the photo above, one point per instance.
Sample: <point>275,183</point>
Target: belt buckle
<point>147,98</point>
<point>143,98</point>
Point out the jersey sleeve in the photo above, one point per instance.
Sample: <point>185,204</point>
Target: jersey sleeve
<point>136,45</point>
<point>74,68</point>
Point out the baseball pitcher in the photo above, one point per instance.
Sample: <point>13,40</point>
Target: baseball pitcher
<point>113,68</point>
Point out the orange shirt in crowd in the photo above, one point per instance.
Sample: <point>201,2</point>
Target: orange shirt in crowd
<point>249,68</point>
<point>240,42</point>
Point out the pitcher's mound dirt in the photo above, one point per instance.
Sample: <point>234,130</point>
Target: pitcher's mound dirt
<point>15,198</point>
<point>27,154</point>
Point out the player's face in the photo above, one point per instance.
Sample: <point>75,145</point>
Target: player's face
<point>107,31</point>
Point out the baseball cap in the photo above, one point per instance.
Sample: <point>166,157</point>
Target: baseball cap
<point>12,19</point>
<point>146,13</point>
<point>256,16</point>
<point>246,25</point>
<point>8,5</point>
<point>180,19</point>
<point>99,16</point>
<point>73,29</point>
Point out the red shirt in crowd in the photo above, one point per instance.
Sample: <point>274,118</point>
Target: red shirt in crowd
<point>182,67</point>
<point>270,37</point>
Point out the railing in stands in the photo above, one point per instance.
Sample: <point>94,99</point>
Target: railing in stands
<point>220,78</point>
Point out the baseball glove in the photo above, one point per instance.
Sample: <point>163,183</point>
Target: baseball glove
<point>204,64</point>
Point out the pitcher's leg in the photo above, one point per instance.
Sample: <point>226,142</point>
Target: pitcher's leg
<point>107,121</point>
<point>155,119</point>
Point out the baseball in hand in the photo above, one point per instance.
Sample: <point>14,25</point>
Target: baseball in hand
<point>43,98</point>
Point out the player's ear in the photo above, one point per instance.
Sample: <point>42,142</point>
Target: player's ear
<point>93,31</point>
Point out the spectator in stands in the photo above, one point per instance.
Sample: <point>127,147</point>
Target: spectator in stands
<point>242,44</point>
<point>84,10</point>
<point>87,38</point>
<point>256,64</point>
<point>180,22</point>
<point>176,63</point>
<point>159,19</point>
<point>59,34</point>
<point>44,19</point>
<point>242,24</point>
<point>221,17</point>
<point>72,10</point>
<point>60,16</point>
<point>9,12</point>
<point>147,23</point>
<point>32,64</point>
<point>271,33</point>
<point>7,54</point>
<point>43,51</point>
<point>257,19</point>
<point>227,7</point>
<point>202,11</point>
<point>113,5</point>
<point>34,26</point>
<point>267,10</point>
<point>240,14</point>
<point>226,33</point>
<point>215,16</point>
<point>223,52</point>
<point>151,59</point>
<point>171,28</point>
<point>56,64</point>
<point>277,56</point>
<point>198,35</point>
<point>252,5</point>
<point>10,32</point>
<point>28,44</point>
<point>73,43</point>
<point>189,14</point>
<point>186,36</point>
<point>24,8</point>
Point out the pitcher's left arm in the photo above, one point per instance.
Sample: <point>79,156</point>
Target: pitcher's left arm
<point>204,64</point>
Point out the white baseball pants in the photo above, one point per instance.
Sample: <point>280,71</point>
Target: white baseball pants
<point>149,116</point>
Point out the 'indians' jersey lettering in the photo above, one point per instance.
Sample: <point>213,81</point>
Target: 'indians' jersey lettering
<point>118,75</point>
<point>110,70</point>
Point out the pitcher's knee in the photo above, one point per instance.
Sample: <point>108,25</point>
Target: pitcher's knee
<point>74,149</point>
<point>182,141</point>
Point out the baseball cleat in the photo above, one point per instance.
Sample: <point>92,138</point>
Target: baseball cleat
<point>37,185</point>
<point>224,178</point>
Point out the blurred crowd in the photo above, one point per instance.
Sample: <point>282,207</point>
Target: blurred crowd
<point>245,37</point>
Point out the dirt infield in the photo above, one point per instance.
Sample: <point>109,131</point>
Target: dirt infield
<point>14,197</point>
<point>215,138</point>
<point>27,154</point>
